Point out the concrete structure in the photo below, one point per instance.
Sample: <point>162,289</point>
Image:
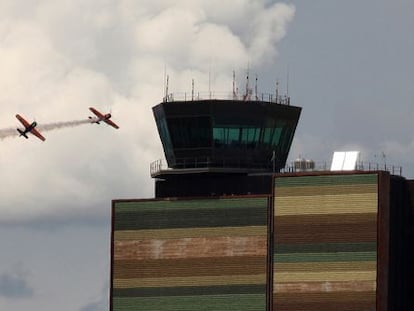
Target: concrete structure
<point>228,231</point>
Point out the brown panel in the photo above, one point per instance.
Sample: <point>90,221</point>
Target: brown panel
<point>125,269</point>
<point>337,301</point>
<point>326,228</point>
<point>326,233</point>
<point>191,248</point>
<point>300,220</point>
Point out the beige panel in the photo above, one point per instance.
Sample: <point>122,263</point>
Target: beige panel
<point>328,276</point>
<point>326,286</point>
<point>329,204</point>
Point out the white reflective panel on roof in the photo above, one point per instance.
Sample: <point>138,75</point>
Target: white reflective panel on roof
<point>337,161</point>
<point>344,160</point>
<point>351,158</point>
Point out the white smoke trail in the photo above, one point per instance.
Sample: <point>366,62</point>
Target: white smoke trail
<point>60,125</point>
<point>8,132</point>
<point>12,132</point>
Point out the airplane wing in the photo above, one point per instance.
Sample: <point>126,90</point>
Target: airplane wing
<point>109,122</point>
<point>96,112</point>
<point>37,134</point>
<point>22,121</point>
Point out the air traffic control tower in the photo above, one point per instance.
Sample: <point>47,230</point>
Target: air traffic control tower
<point>219,147</point>
<point>230,230</point>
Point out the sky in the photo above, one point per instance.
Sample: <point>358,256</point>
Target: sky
<point>348,64</point>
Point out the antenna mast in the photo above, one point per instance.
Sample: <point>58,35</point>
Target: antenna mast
<point>255,89</point>
<point>246,95</point>
<point>192,89</point>
<point>287,83</point>
<point>166,89</point>
<point>164,80</point>
<point>234,85</point>
<point>277,91</point>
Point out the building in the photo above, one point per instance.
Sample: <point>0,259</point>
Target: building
<point>228,231</point>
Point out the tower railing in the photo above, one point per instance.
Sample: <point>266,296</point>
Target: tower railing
<point>360,166</point>
<point>262,97</point>
<point>204,162</point>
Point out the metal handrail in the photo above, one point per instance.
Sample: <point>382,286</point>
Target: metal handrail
<point>262,97</point>
<point>205,162</point>
<point>360,166</point>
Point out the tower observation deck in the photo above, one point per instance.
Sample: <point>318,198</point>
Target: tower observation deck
<point>222,146</point>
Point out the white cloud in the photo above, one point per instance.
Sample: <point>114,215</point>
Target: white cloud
<point>58,59</point>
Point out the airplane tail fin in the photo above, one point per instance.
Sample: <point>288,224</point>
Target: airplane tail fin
<point>22,133</point>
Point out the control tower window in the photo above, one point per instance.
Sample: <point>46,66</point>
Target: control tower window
<point>192,132</point>
<point>246,137</point>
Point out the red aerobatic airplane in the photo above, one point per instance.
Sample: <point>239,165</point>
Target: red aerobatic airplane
<point>102,117</point>
<point>29,128</point>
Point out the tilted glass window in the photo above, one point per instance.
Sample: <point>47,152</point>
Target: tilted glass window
<point>247,137</point>
<point>190,132</point>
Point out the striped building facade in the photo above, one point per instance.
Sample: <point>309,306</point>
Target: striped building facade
<point>327,231</point>
<point>322,241</point>
<point>190,254</point>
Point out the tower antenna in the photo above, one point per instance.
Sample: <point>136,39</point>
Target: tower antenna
<point>165,81</point>
<point>277,91</point>
<point>166,89</point>
<point>192,89</point>
<point>209,78</point>
<point>287,83</point>
<point>234,85</point>
<point>255,89</point>
<point>246,95</point>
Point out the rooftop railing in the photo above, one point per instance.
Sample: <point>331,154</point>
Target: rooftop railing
<point>263,97</point>
<point>205,162</point>
<point>202,162</point>
<point>360,166</point>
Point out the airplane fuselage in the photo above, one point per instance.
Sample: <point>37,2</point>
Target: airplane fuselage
<point>99,119</point>
<point>102,117</point>
<point>27,129</point>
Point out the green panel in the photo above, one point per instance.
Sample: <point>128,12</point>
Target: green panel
<point>189,290</point>
<point>326,248</point>
<point>179,218</point>
<point>190,213</point>
<point>322,180</point>
<point>252,302</point>
<point>326,257</point>
<point>161,205</point>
